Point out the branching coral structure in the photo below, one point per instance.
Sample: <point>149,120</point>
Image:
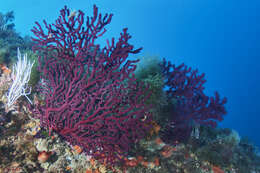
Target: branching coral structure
<point>91,97</point>
<point>20,76</point>
<point>191,107</point>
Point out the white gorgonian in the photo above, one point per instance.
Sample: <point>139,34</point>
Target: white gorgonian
<point>20,75</point>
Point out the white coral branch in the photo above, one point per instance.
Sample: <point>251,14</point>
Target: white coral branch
<point>20,75</point>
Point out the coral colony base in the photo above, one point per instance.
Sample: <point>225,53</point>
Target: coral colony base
<point>95,110</point>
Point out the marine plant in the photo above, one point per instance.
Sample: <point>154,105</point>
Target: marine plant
<point>91,97</point>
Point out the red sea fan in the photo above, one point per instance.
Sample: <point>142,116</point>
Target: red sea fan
<point>91,97</point>
<point>191,105</point>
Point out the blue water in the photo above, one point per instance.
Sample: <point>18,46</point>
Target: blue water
<point>219,37</point>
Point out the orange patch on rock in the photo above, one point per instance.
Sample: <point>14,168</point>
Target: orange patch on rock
<point>77,148</point>
<point>131,163</point>
<point>89,171</point>
<point>167,151</point>
<point>5,70</point>
<point>156,161</point>
<point>44,156</point>
<point>145,163</point>
<point>158,141</point>
<point>68,168</point>
<point>140,159</point>
<point>217,169</point>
